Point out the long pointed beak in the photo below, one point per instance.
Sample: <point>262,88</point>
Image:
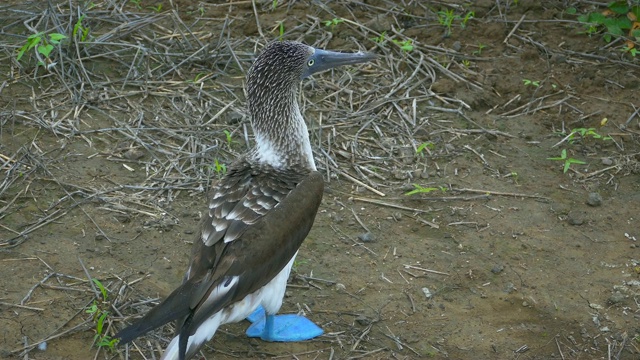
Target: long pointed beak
<point>325,59</point>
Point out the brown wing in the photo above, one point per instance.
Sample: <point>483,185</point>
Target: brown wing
<point>256,221</point>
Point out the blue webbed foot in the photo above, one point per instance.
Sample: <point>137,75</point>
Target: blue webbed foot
<point>282,328</point>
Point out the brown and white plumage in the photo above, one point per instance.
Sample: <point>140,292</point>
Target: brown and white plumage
<point>259,213</point>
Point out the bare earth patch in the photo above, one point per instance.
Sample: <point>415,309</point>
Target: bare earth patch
<point>108,147</point>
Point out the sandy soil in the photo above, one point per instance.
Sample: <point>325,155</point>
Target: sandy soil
<point>104,173</point>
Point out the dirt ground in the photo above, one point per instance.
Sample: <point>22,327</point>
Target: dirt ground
<point>105,159</point>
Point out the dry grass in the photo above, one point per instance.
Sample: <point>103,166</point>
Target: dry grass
<point>154,91</point>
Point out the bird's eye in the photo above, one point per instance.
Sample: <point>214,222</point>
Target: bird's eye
<point>311,62</point>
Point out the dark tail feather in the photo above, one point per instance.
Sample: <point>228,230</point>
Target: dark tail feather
<point>175,306</point>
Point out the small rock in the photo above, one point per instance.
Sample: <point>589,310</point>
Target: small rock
<point>575,219</point>
<point>497,269</point>
<point>366,237</point>
<point>123,218</point>
<point>607,161</point>
<point>340,287</point>
<point>594,199</point>
<point>100,237</point>
<point>234,117</point>
<point>525,304</point>
<point>363,320</point>
<point>400,175</point>
<point>427,292</point>
<point>133,154</point>
<point>397,215</point>
<point>509,288</point>
<point>456,46</point>
<point>449,147</point>
<point>615,298</point>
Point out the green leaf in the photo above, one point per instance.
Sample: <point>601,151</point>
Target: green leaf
<point>619,7</point>
<point>45,49</point>
<point>597,18</point>
<point>55,37</point>
<point>571,11</point>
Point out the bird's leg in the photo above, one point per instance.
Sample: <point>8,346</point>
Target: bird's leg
<point>283,328</point>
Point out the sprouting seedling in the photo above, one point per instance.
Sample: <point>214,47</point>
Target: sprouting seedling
<point>528,82</point>
<point>567,161</point>
<point>219,168</point>
<point>156,8</point>
<point>228,135</point>
<point>78,28</point>
<point>281,30</point>
<point>480,48</point>
<point>466,19</point>
<point>446,18</point>
<point>274,4</point>
<point>102,289</point>
<point>425,190</point>
<point>100,317</point>
<point>584,132</point>
<point>333,22</point>
<point>423,146</point>
<point>136,3</point>
<point>405,45</point>
<point>466,63</point>
<point>42,45</point>
<point>380,39</point>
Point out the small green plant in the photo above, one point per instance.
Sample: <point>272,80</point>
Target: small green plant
<point>297,263</point>
<point>156,8</point>
<point>466,63</point>
<point>281,30</point>
<point>446,18</point>
<point>78,28</point>
<point>425,145</point>
<point>616,20</point>
<point>274,4</point>
<point>567,161</point>
<point>100,317</point>
<point>528,82</point>
<point>406,45</point>
<point>219,168</point>
<point>42,44</point>
<point>480,48</point>
<point>466,19</point>
<point>630,50</point>
<point>136,3</point>
<point>333,22</point>
<point>380,39</point>
<point>425,190</point>
<point>228,135</point>
<point>585,133</point>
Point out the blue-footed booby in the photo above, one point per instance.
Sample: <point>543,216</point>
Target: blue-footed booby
<point>258,215</point>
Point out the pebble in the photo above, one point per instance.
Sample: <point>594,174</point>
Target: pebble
<point>42,346</point>
<point>340,287</point>
<point>366,237</point>
<point>363,320</point>
<point>449,147</point>
<point>594,199</point>
<point>615,298</point>
<point>400,175</point>
<point>427,292</point>
<point>133,154</point>
<point>497,269</point>
<point>575,219</point>
<point>510,288</point>
<point>607,161</point>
